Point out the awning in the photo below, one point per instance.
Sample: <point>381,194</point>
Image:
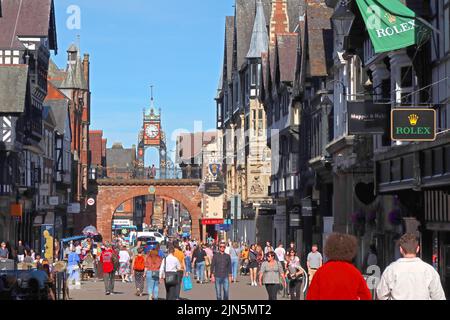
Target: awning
<point>392,25</point>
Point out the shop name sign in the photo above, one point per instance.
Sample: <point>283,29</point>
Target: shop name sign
<point>390,31</point>
<point>365,117</point>
<point>413,124</point>
<point>212,221</point>
<point>214,189</point>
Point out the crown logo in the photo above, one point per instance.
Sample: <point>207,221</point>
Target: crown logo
<point>392,19</point>
<point>413,118</point>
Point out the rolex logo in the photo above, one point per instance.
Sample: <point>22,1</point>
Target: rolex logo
<point>413,118</point>
<point>392,19</point>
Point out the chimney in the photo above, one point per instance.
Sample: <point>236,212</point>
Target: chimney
<point>279,20</point>
<point>86,70</point>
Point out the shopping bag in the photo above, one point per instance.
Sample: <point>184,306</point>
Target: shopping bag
<point>187,283</point>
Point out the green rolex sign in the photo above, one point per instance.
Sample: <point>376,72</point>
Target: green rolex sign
<point>413,124</point>
<point>392,25</point>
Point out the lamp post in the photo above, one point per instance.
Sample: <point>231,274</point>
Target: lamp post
<point>342,20</point>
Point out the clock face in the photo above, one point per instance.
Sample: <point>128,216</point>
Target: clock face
<point>152,131</point>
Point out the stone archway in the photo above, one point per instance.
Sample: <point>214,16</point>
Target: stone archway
<point>112,192</point>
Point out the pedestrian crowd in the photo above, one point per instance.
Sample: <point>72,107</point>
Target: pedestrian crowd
<point>281,271</point>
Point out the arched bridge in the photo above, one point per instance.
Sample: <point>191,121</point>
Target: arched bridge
<point>113,192</point>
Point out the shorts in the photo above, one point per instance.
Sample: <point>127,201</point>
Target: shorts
<point>253,264</point>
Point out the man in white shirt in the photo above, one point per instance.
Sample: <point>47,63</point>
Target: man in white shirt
<point>281,253</point>
<point>409,278</point>
<point>169,268</point>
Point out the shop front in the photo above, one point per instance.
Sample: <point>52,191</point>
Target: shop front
<point>417,178</point>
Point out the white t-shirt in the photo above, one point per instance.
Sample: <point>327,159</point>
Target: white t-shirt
<point>281,253</point>
<point>124,256</point>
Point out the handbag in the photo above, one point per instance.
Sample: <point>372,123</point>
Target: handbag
<point>155,275</point>
<point>171,277</point>
<point>187,283</point>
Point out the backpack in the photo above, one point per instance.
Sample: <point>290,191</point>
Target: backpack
<point>139,263</point>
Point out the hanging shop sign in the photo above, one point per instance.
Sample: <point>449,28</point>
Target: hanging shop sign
<point>212,221</point>
<point>413,124</point>
<point>16,210</point>
<point>214,169</point>
<point>365,117</point>
<point>91,201</point>
<point>392,25</point>
<point>214,189</point>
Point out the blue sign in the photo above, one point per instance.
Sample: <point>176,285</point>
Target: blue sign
<point>222,227</point>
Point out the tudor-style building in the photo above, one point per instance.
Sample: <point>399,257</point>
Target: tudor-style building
<point>24,61</point>
<point>294,91</point>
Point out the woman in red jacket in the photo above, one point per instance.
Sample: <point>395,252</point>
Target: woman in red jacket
<point>339,279</point>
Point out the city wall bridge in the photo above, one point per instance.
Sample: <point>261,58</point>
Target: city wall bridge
<point>111,193</point>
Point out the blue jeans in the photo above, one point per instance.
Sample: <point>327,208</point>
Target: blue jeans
<point>74,274</point>
<point>152,285</point>
<point>234,267</point>
<point>201,271</point>
<point>187,262</point>
<point>222,284</point>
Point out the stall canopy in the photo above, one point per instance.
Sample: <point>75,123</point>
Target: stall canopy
<point>392,25</point>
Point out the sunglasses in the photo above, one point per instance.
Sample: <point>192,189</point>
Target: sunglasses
<point>222,246</point>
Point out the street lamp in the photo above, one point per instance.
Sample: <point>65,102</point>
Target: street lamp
<point>342,19</point>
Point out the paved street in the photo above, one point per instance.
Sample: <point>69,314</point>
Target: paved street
<point>126,291</point>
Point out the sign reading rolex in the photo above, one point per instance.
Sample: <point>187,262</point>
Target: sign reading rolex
<point>392,25</point>
<point>413,124</point>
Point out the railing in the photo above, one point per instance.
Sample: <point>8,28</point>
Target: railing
<point>153,173</point>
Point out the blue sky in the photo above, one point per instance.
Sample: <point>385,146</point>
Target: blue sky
<point>176,45</point>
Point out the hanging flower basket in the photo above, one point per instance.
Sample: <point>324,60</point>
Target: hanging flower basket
<point>358,218</point>
<point>395,217</point>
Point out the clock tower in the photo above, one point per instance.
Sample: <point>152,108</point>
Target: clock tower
<point>152,135</point>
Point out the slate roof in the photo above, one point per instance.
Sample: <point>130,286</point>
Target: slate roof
<point>55,75</point>
<point>245,17</point>
<point>319,32</point>
<point>60,109</point>
<point>74,74</point>
<point>287,54</point>
<point>28,19</point>
<point>119,157</point>
<point>229,36</point>
<point>13,88</point>
<point>260,37</point>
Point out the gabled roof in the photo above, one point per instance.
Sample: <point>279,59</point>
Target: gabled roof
<point>319,36</point>
<point>74,74</point>
<point>287,54</point>
<point>13,88</point>
<point>119,157</point>
<point>25,18</point>
<point>245,17</point>
<point>47,116</point>
<point>260,38</point>
<point>60,109</point>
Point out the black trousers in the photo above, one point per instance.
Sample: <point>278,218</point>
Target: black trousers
<point>178,286</point>
<point>272,290</point>
<point>295,287</point>
<point>171,292</point>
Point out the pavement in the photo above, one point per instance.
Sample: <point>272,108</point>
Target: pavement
<point>241,290</point>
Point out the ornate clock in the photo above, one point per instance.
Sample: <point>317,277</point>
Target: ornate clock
<point>152,131</point>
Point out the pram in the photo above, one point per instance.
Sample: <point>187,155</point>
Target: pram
<point>245,270</point>
<point>87,267</point>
